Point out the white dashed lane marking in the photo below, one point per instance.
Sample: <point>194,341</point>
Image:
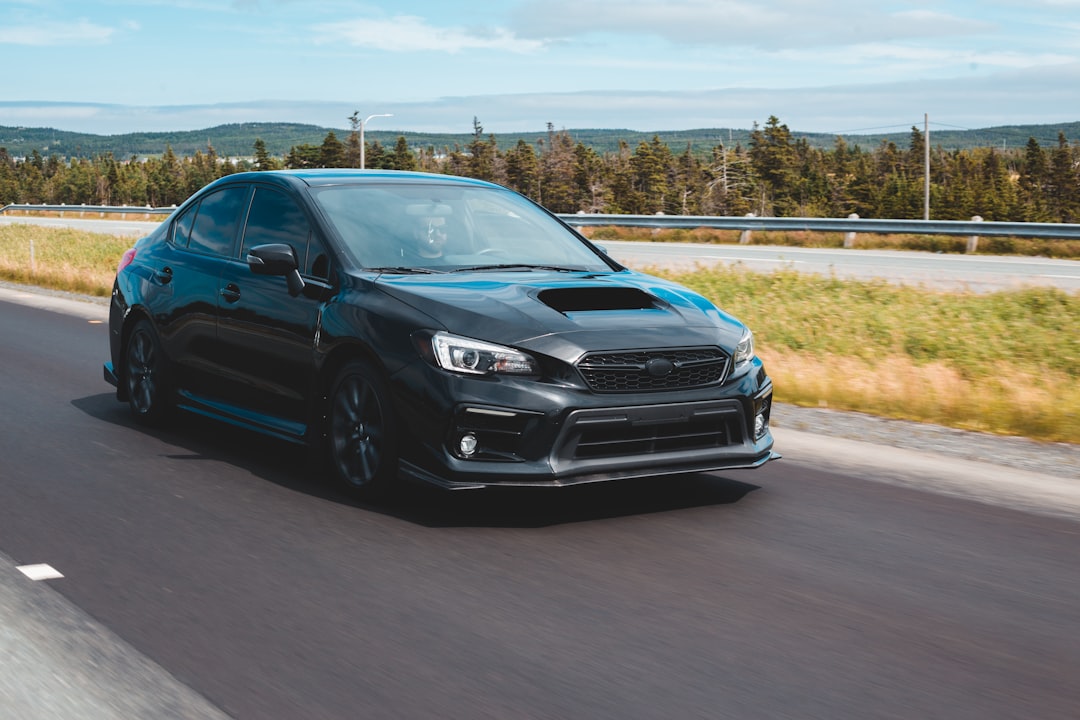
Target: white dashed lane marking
<point>39,572</point>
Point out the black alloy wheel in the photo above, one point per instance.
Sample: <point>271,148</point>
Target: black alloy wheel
<point>362,438</point>
<point>146,375</point>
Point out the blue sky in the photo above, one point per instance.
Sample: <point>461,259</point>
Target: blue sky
<point>839,66</point>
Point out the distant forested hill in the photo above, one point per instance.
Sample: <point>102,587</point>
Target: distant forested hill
<point>237,140</point>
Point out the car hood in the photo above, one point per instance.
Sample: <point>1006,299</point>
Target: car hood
<point>566,314</point>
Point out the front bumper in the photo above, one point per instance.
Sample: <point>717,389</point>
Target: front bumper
<point>508,434</point>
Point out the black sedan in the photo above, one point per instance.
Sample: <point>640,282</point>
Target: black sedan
<point>437,328</point>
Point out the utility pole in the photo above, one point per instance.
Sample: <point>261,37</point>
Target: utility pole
<point>926,164</point>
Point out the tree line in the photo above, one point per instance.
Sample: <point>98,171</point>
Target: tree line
<point>774,175</point>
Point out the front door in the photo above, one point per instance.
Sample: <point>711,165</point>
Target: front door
<point>267,337</point>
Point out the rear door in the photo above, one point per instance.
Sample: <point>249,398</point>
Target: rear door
<point>203,241</point>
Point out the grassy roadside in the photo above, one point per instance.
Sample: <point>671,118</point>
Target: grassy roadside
<point>1006,362</point>
<point>60,259</point>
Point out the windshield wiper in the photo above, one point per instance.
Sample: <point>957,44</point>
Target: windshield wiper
<point>406,270</point>
<point>518,266</point>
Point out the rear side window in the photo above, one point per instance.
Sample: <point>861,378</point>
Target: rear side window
<point>217,221</point>
<point>182,227</point>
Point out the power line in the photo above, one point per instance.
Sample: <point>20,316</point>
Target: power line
<point>898,127</point>
<point>955,127</point>
<point>883,127</point>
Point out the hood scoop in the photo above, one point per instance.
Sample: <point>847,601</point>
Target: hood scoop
<point>586,299</point>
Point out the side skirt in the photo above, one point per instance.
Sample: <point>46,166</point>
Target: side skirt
<point>288,430</point>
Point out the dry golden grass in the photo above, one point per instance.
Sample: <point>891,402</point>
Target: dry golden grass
<point>61,259</point>
<point>1039,405</point>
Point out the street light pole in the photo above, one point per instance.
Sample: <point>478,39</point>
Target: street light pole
<point>362,124</point>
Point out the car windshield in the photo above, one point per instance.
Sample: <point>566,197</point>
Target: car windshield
<point>397,227</point>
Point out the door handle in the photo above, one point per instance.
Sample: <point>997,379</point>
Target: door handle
<point>231,292</point>
<point>164,276</point>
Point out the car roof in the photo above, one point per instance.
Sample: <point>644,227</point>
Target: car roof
<point>347,176</point>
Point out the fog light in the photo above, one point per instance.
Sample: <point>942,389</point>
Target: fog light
<point>761,426</point>
<point>467,445</point>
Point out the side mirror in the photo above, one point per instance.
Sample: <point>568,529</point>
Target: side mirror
<point>277,259</point>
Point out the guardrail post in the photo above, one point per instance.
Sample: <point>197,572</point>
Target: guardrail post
<point>849,238</point>
<point>744,236</point>
<point>973,240</point>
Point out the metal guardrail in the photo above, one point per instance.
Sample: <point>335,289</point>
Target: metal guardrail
<point>84,209</point>
<point>845,225</point>
<point>849,225</point>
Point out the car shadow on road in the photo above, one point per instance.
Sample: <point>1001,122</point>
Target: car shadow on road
<point>542,507</point>
<point>289,466</point>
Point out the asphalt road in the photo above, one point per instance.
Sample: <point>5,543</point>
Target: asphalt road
<point>978,273</point>
<point>207,574</point>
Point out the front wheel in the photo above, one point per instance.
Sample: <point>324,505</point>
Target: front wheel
<point>361,431</point>
<point>146,375</point>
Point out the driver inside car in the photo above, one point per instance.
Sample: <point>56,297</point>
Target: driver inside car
<point>428,240</point>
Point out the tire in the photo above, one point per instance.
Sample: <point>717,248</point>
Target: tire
<point>146,375</point>
<point>361,432</point>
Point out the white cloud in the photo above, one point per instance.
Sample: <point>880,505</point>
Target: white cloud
<point>408,33</point>
<point>80,32</point>
<point>910,59</point>
<point>733,23</point>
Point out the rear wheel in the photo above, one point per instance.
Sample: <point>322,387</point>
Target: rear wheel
<point>361,431</point>
<point>146,375</point>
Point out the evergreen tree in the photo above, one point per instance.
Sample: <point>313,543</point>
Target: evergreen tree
<point>167,180</point>
<point>775,161</point>
<point>1034,180</point>
<point>481,164</point>
<point>332,152</point>
<point>376,157</point>
<point>301,157</point>
<point>650,164</point>
<point>402,158</point>
<point>591,192</point>
<point>263,159</point>
<point>1063,183</point>
<point>557,172</point>
<point>523,169</point>
<point>9,185</point>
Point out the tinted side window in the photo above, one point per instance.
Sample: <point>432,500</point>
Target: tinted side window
<point>182,228</point>
<point>218,220</point>
<point>277,218</point>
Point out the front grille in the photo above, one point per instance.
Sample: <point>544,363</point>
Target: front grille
<point>697,434</point>
<point>629,370</point>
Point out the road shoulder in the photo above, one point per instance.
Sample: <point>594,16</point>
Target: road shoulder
<point>58,663</point>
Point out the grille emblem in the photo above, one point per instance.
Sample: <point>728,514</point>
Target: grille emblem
<point>659,367</point>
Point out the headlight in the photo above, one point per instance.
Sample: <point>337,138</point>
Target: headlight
<point>474,357</point>
<point>744,351</point>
